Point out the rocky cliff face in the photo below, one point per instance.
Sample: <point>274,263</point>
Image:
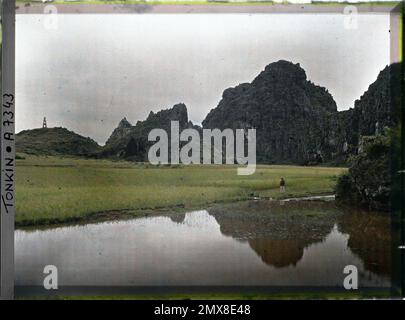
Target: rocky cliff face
<point>369,180</point>
<point>372,180</point>
<point>377,108</point>
<point>131,142</point>
<point>291,115</point>
<point>297,121</point>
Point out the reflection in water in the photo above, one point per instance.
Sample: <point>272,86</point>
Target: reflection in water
<point>370,238</point>
<point>277,233</point>
<point>278,253</point>
<point>251,243</point>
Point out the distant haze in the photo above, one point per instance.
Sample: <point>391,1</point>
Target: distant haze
<point>93,70</point>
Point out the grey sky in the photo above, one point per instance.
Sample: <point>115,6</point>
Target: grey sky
<point>93,70</point>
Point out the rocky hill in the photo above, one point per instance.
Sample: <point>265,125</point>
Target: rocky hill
<point>55,141</point>
<point>131,142</point>
<point>297,121</point>
<point>291,115</point>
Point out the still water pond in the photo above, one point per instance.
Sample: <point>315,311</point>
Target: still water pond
<point>249,243</point>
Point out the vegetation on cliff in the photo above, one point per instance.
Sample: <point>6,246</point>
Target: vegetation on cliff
<point>368,181</point>
<point>374,177</point>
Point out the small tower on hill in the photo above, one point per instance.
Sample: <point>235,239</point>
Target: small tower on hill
<point>44,123</point>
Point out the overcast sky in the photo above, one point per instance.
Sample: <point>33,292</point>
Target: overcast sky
<point>93,70</point>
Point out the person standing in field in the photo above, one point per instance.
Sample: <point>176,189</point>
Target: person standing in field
<point>282,185</point>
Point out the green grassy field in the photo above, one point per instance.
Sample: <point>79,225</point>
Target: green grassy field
<point>56,190</point>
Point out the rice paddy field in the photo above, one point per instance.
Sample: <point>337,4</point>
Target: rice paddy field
<point>51,189</point>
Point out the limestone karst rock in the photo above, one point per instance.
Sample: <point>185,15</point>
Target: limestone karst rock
<point>296,121</point>
<point>291,115</point>
<point>131,142</point>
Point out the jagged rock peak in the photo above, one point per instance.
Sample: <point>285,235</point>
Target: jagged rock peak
<point>282,69</point>
<point>131,142</point>
<point>177,112</point>
<point>124,123</point>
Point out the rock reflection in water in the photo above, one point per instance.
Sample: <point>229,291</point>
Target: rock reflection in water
<point>278,253</point>
<point>370,238</point>
<point>277,233</point>
<point>280,233</point>
<point>249,243</point>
